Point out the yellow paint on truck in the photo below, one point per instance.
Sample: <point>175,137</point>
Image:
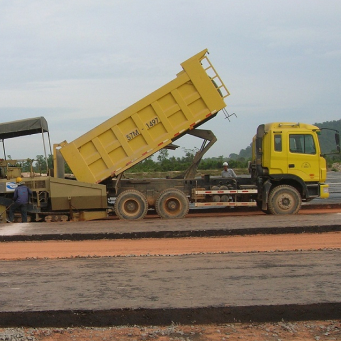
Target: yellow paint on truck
<point>193,97</point>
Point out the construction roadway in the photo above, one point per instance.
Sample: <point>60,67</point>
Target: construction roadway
<point>295,281</point>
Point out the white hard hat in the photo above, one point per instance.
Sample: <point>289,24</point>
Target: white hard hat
<point>225,164</point>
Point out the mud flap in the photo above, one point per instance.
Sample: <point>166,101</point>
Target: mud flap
<point>265,191</point>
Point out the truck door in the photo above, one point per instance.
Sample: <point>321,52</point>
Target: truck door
<point>303,157</point>
<point>278,159</point>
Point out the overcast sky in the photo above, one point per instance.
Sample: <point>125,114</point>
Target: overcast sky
<point>79,62</point>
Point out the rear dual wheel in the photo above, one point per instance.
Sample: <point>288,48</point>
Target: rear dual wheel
<point>172,204</point>
<point>131,205</point>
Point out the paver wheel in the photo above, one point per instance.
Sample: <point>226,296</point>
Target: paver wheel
<point>215,198</point>
<point>224,198</point>
<point>172,204</point>
<point>131,205</point>
<point>284,200</point>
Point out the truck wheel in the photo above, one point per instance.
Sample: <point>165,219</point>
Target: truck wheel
<point>284,200</point>
<point>172,204</point>
<point>131,205</point>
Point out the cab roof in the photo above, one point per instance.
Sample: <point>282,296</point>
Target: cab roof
<point>290,126</point>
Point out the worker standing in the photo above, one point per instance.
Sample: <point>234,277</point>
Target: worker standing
<point>21,199</point>
<point>227,173</point>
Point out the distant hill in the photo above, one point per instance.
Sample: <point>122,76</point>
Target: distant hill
<point>326,138</point>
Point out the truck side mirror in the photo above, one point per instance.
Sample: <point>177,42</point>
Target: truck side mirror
<point>337,140</point>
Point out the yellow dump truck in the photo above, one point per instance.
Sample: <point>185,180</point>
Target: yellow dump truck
<point>286,169</point>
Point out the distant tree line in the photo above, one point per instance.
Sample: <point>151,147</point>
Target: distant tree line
<point>166,163</point>
<point>38,165</point>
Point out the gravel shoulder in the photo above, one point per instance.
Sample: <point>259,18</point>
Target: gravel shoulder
<point>278,331</point>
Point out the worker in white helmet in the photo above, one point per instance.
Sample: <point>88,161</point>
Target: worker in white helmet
<point>227,173</point>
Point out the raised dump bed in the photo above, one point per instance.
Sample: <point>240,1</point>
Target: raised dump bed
<point>193,97</point>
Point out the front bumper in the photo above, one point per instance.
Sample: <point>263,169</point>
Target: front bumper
<point>324,190</point>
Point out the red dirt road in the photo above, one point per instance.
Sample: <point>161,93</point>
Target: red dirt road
<point>174,246</point>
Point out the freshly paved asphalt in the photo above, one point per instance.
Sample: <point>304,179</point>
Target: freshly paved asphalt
<point>158,228</point>
<point>203,226</point>
<point>38,292</point>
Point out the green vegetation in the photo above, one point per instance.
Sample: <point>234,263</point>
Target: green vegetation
<point>165,163</point>
<point>37,165</point>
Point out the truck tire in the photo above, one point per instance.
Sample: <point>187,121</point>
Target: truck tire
<point>172,204</point>
<point>131,205</point>
<point>284,200</point>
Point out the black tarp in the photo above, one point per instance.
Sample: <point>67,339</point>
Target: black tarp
<point>23,127</point>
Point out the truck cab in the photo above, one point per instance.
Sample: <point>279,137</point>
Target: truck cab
<point>288,155</point>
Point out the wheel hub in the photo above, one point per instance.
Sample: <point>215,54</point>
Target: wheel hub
<point>285,202</point>
<point>172,205</point>
<point>131,206</point>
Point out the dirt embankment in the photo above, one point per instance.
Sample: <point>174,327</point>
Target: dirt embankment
<point>174,246</point>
